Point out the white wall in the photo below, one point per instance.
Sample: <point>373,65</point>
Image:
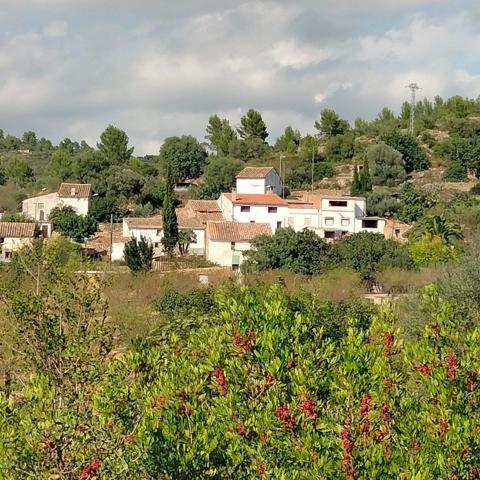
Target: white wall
<point>300,218</point>
<point>32,207</point>
<point>221,252</point>
<point>118,251</point>
<point>12,245</point>
<point>80,205</point>
<point>198,248</point>
<point>271,183</point>
<point>260,214</point>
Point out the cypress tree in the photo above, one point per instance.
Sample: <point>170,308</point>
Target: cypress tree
<point>355,187</point>
<point>365,181</point>
<point>170,223</point>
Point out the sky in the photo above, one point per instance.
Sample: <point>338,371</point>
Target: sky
<point>158,68</point>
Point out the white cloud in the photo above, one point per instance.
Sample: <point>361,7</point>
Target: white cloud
<point>56,29</point>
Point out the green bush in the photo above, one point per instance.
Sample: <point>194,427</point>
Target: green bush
<point>455,172</point>
<point>194,302</point>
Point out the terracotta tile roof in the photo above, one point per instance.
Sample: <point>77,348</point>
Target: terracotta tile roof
<point>101,241</point>
<point>255,172</point>
<point>17,230</point>
<point>204,206</point>
<point>236,232</point>
<point>75,190</point>
<point>205,217</point>
<point>185,217</point>
<point>144,222</point>
<point>256,199</point>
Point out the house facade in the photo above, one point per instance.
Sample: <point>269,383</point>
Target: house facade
<point>228,241</point>
<point>13,237</point>
<point>75,195</point>
<point>259,180</point>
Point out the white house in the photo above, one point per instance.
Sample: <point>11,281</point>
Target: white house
<point>14,236</point>
<point>152,229</point>
<point>259,180</point>
<point>254,208</point>
<point>227,241</point>
<point>75,195</point>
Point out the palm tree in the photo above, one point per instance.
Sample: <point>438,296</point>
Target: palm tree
<point>439,226</point>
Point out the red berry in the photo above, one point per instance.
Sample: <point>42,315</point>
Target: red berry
<point>424,369</point>
<point>85,473</point>
<point>261,469</point>
<point>308,407</point>
<point>241,429</point>
<point>94,464</point>
<point>263,437</point>
<point>130,437</point>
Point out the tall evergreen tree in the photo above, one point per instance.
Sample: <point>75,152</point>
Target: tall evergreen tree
<point>220,134</point>
<point>365,181</point>
<point>170,223</point>
<point>114,146</point>
<point>355,187</point>
<point>252,125</point>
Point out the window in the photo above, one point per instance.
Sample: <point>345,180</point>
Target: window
<point>41,216</point>
<point>232,245</point>
<point>41,206</point>
<point>279,224</point>
<point>397,232</point>
<point>252,221</point>
<point>338,203</point>
<point>370,223</point>
<point>307,221</point>
<point>272,209</point>
<point>156,244</point>
<point>329,220</point>
<point>159,232</point>
<point>245,208</point>
<point>329,234</point>
<point>291,220</point>
<point>345,222</point>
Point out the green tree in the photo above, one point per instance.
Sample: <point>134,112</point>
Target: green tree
<point>60,165</point>
<point>438,226</point>
<point>138,254</point>
<point>121,182</point>
<point>289,141</point>
<point>381,203</point>
<point>73,226</point>
<point>219,176</point>
<point>330,124</point>
<point>355,187</point>
<point>102,208</point>
<point>185,156</point>
<point>365,181</point>
<point>431,250</point>
<point>301,252</point>
<point>456,172</point>
<point>220,134</point>
<point>69,146</point>
<point>413,203</point>
<point>248,149</point>
<point>114,146</point>
<point>170,223</point>
<point>252,125</point>
<point>185,238</point>
<point>386,165</point>
<point>340,147</point>
<point>29,140</point>
<point>16,218</point>
<point>19,170</point>
<point>3,176</point>
<point>412,153</point>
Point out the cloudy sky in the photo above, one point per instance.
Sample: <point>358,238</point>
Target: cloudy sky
<point>160,67</point>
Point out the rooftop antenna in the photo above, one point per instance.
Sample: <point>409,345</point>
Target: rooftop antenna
<point>413,88</point>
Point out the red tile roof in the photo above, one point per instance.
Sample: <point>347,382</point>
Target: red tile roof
<point>256,199</point>
<point>75,190</point>
<point>17,230</point>
<point>236,232</point>
<point>255,172</point>
<point>204,206</point>
<point>185,217</point>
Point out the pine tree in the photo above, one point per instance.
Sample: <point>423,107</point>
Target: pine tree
<point>252,126</point>
<point>355,187</point>
<point>170,224</point>
<point>365,181</point>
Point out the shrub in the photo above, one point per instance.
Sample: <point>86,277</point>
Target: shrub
<point>455,172</point>
<point>412,153</point>
<point>194,302</point>
<point>138,254</point>
<point>431,250</point>
<point>386,165</point>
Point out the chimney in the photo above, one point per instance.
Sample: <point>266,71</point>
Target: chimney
<point>234,195</point>
<point>73,192</point>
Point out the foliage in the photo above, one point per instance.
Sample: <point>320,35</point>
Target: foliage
<point>381,203</point>
<point>289,141</point>
<point>185,238</point>
<point>330,124</point>
<point>170,223</point>
<point>252,126</point>
<point>301,252</point>
<point>138,254</point>
<point>461,151</point>
<point>113,146</point>
<point>68,223</point>
<point>219,176</point>
<point>248,149</point>
<point>431,250</point>
<point>368,253</point>
<point>455,172</point>
<point>102,209</point>
<point>340,147</point>
<point>220,135</point>
<point>184,155</point>
<point>3,176</point>
<point>122,182</point>
<point>18,170</point>
<point>438,226</point>
<point>302,177</point>
<point>16,218</point>
<point>308,147</point>
<point>386,165</point>
<point>412,154</point>
<point>413,203</point>
<point>362,182</point>
<point>60,165</point>
<point>198,301</point>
